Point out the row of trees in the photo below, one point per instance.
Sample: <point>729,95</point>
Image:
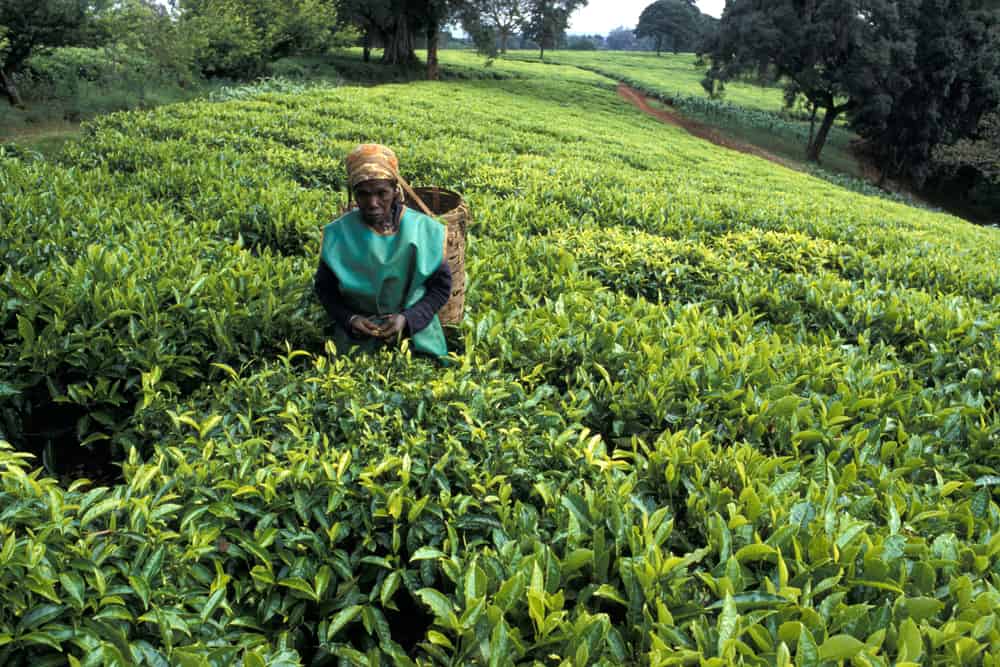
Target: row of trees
<point>676,25</point>
<point>238,38</point>
<point>395,24</point>
<point>909,75</point>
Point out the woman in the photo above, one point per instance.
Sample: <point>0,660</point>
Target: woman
<point>382,271</point>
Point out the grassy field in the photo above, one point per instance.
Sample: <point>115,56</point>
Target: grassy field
<point>701,409</point>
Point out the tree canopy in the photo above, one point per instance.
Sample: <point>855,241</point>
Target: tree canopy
<point>624,39</point>
<point>495,20</point>
<point>676,25</point>
<point>235,38</point>
<point>238,37</point>
<point>909,74</point>
<point>29,25</point>
<point>817,47</point>
<point>395,25</point>
<point>943,76</point>
<point>546,20</point>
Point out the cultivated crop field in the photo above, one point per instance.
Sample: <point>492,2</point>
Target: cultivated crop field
<point>753,112</point>
<point>702,409</point>
<point>672,73</point>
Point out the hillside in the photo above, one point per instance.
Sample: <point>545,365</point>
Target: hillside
<point>701,407</point>
<point>744,111</point>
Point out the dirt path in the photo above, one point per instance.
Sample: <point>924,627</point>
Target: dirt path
<point>701,130</point>
<point>709,133</point>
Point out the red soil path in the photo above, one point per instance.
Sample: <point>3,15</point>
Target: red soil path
<point>709,133</point>
<point>700,130</point>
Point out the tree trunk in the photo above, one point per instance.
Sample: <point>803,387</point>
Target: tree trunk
<point>541,51</point>
<point>504,36</point>
<point>812,121</point>
<point>366,47</point>
<point>432,52</point>
<point>399,45</point>
<point>816,145</point>
<point>10,88</point>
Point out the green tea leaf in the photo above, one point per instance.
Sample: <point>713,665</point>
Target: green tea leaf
<point>73,584</point>
<point>212,603</point>
<point>341,619</point>
<point>727,624</point>
<point>840,647</point>
<point>784,406</point>
<point>910,644</point>
<point>39,615</point>
<point>26,330</point>
<point>298,584</point>
<point>752,600</point>
<point>922,608</point>
<point>806,652</point>
<point>576,560</point>
<point>439,604</point>
<point>427,553</point>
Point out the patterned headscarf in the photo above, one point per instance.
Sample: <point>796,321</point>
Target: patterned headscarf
<point>369,162</point>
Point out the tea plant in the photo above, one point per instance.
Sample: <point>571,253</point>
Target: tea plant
<point>701,409</point>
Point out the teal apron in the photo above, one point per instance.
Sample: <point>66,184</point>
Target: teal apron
<point>380,275</point>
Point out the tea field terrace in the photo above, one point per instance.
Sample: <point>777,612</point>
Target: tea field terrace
<point>702,408</point>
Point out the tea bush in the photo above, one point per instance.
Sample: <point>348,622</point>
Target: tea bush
<point>701,409</point>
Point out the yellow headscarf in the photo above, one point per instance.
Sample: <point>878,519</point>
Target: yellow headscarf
<point>369,162</point>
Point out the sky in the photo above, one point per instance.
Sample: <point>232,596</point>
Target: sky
<point>601,16</point>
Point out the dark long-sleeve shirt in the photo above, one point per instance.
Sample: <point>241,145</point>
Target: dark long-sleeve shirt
<point>418,316</point>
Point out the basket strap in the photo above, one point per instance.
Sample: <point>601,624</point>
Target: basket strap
<point>414,195</point>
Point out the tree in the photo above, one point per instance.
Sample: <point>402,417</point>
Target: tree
<point>494,20</point>
<point>395,23</point>
<point>27,26</point>
<point>546,20</point>
<point>673,23</point>
<point>147,28</point>
<point>819,47</point>
<point>909,74</point>
<point>583,42</point>
<point>708,30</point>
<point>943,78</point>
<point>305,26</point>
<point>227,40</point>
<point>239,37</point>
<point>622,39</point>
<point>369,18</point>
<point>433,16</point>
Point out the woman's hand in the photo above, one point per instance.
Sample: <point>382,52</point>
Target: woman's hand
<point>386,327</point>
<point>363,327</point>
<point>392,327</point>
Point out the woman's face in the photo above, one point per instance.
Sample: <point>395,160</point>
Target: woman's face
<point>375,200</point>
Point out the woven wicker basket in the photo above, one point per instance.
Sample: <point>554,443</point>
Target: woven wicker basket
<point>449,208</point>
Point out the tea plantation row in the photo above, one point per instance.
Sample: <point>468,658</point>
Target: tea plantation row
<point>702,410</point>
